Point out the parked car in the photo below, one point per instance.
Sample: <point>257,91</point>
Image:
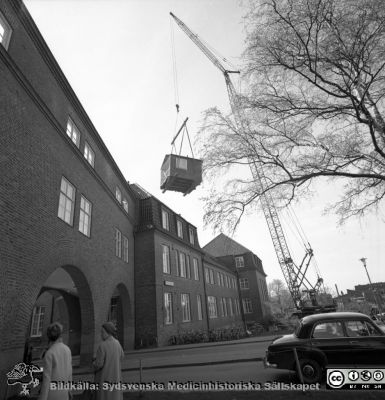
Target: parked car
<point>320,340</point>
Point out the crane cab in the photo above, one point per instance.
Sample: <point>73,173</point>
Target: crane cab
<point>180,174</point>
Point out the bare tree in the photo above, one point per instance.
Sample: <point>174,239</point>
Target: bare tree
<point>313,108</point>
<point>280,295</point>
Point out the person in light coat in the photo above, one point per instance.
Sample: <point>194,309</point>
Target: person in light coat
<point>57,365</point>
<point>108,363</point>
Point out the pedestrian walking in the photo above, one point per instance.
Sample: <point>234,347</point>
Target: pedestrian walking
<point>57,365</point>
<point>108,363</point>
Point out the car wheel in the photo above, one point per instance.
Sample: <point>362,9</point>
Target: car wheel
<point>311,371</point>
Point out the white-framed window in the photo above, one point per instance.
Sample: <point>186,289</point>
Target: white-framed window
<point>224,307</point>
<point>89,154</point>
<point>212,305</point>
<point>191,235</point>
<point>188,267</point>
<point>179,228</point>
<point>211,276</point>
<point>73,132</point>
<point>5,31</point>
<point>222,280</point>
<point>247,306</point>
<point>125,205</point>
<point>196,270</point>
<point>168,316</point>
<point>125,249</point>
<point>199,307</point>
<point>37,321</point>
<point>182,264</point>
<point>166,259</point>
<point>118,194</point>
<point>243,283</point>
<point>219,278</point>
<point>85,216</point>
<point>118,243</point>
<point>185,303</point>
<point>239,262</point>
<point>66,201</point>
<point>181,163</point>
<point>165,220</point>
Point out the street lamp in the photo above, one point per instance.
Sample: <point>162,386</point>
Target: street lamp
<point>363,260</point>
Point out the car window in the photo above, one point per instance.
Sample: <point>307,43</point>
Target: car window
<point>360,328</point>
<point>328,330</point>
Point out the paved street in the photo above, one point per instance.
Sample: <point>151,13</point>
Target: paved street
<point>227,363</point>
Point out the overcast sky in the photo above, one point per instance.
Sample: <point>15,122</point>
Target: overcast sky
<point>117,57</point>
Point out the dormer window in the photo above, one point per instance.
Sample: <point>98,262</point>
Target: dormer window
<point>165,220</point>
<point>191,235</point>
<point>239,262</point>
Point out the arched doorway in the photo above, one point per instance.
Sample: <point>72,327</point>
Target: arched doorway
<point>121,315</point>
<point>64,297</point>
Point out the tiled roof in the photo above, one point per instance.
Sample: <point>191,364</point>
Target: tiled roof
<point>223,245</point>
<point>140,193</point>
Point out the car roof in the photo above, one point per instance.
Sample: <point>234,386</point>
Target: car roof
<point>332,315</point>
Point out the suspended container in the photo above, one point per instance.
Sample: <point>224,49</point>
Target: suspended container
<point>180,173</point>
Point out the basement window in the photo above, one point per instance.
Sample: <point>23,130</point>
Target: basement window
<point>5,32</point>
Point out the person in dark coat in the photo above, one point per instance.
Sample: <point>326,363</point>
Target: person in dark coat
<point>108,363</point>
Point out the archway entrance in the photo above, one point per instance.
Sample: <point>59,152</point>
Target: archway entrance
<point>64,297</point>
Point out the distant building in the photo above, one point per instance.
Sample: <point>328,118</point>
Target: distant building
<point>172,296</point>
<point>249,271</point>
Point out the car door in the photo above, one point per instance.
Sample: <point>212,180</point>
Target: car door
<point>367,342</point>
<point>330,338</point>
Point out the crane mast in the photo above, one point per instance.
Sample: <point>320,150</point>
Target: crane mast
<point>295,275</point>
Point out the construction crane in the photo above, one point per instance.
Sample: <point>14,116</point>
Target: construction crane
<point>302,291</point>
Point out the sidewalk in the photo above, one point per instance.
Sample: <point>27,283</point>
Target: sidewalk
<point>144,358</point>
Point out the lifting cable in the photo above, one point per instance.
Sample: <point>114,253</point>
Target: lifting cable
<point>175,73</point>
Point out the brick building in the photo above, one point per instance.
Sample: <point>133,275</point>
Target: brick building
<point>171,295</point>
<point>65,205</point>
<point>249,270</point>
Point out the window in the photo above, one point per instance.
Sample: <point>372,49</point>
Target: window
<point>191,235</point>
<point>185,303</point>
<point>179,228</point>
<point>328,330</point>
<point>222,280</point>
<point>37,321</point>
<point>221,306</point>
<point>181,163</point>
<point>73,132</point>
<point>165,220</point>
<point>239,262</point>
<point>125,205</point>
<point>113,311</point>
<point>231,311</point>
<point>226,281</point>
<point>125,249</point>
<point>211,276</point>
<point>182,265</point>
<point>247,306</point>
<point>5,32</point>
<point>243,283</point>
<point>118,194</point>
<point>237,310</point>
<point>118,243</point>
<point>177,262</point>
<point>224,307</point>
<point>219,278</point>
<point>85,216</point>
<point>188,267</point>
<point>89,154</point>
<point>166,259</point>
<point>195,267</point>
<point>212,304</point>
<point>66,201</point>
<point>168,318</point>
<point>360,328</point>
<point>199,307</point>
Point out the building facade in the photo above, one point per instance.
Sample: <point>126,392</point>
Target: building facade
<point>65,205</point>
<point>172,296</point>
<point>251,277</point>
